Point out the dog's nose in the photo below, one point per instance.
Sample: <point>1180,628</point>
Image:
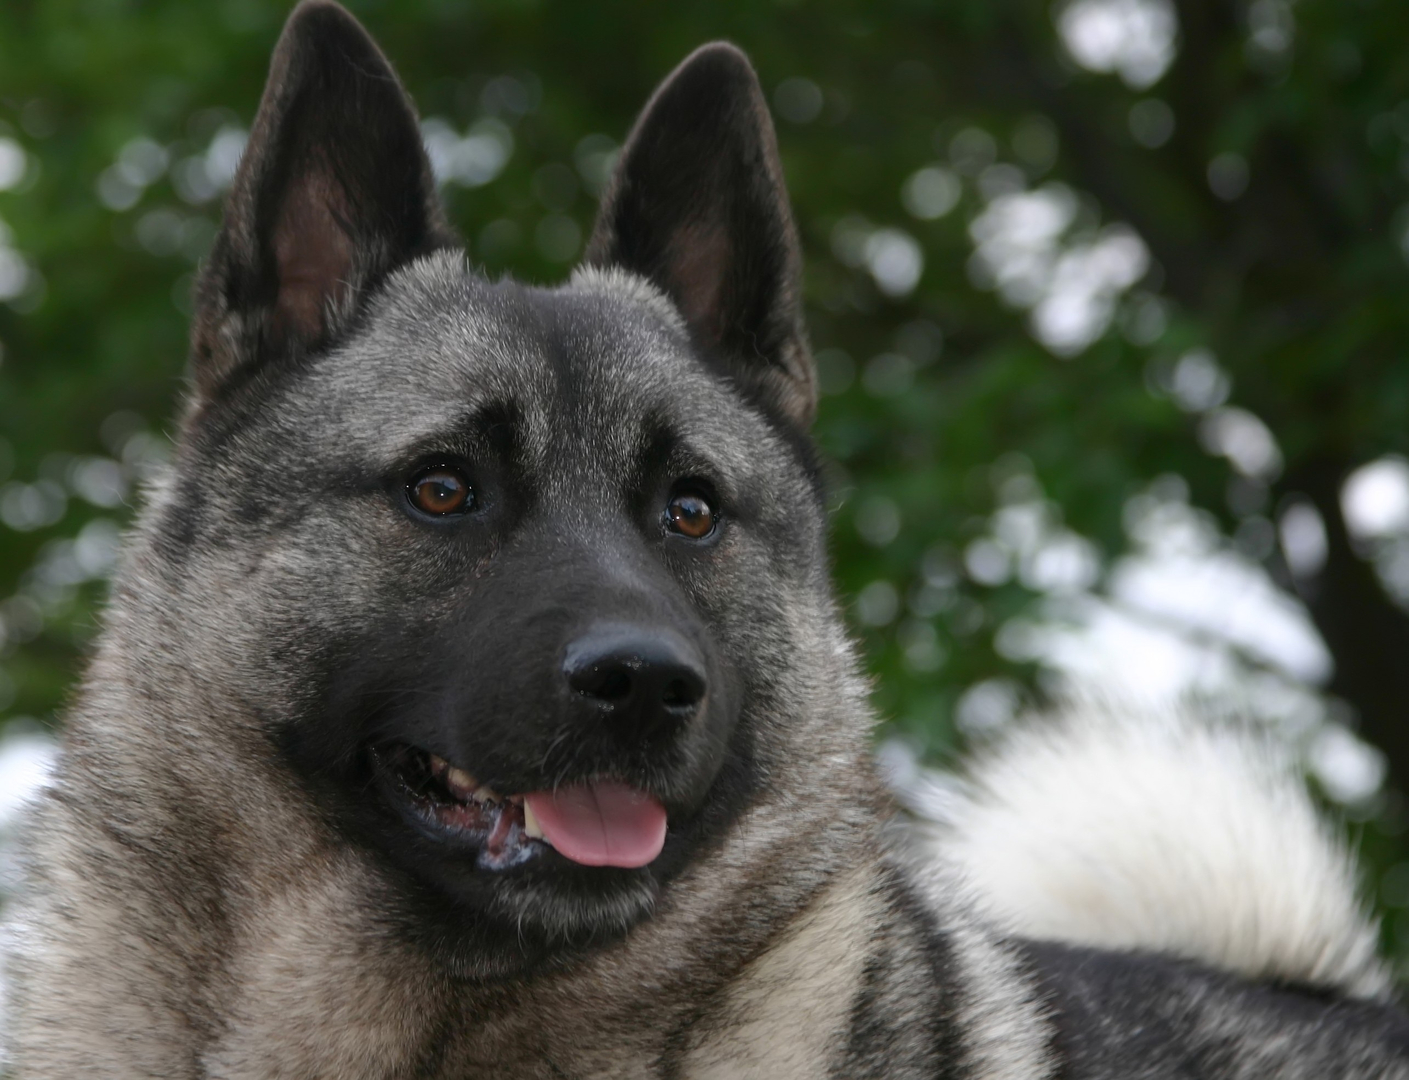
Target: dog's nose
<point>640,679</point>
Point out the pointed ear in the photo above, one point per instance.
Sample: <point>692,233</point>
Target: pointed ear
<point>333,191</point>
<point>697,206</point>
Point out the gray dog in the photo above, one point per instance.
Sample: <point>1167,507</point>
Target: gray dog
<point>473,699</point>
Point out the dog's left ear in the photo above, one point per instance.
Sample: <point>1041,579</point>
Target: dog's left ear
<point>333,192</point>
<point>698,207</point>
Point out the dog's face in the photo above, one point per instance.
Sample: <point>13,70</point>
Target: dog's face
<point>525,573</point>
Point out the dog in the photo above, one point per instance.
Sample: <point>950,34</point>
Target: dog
<point>473,698</point>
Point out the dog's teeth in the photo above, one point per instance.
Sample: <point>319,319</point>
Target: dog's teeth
<point>484,793</point>
<point>439,766</point>
<point>460,783</point>
<point>530,823</point>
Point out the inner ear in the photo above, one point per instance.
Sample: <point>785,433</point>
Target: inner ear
<point>697,206</point>
<point>313,255</point>
<point>697,261</point>
<point>333,193</point>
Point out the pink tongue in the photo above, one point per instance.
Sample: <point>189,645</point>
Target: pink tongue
<point>601,824</point>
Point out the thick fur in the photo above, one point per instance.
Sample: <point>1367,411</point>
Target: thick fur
<point>1189,838</point>
<point>224,880</point>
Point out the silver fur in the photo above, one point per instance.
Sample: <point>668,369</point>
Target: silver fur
<point>194,906</point>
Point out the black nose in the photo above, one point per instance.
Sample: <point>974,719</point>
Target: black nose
<point>639,678</point>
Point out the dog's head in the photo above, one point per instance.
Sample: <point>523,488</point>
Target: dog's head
<point>528,586</point>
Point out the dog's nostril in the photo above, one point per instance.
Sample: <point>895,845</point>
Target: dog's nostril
<point>638,677</point>
<point>613,686</point>
<point>675,694</point>
<point>683,692</point>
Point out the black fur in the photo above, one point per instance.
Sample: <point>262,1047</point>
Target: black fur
<point>1124,1015</point>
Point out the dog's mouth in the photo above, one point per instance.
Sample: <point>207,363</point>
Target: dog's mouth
<point>602,822</point>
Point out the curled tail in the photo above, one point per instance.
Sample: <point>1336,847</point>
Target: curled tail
<point>1170,836</point>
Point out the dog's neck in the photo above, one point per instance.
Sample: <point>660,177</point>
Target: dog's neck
<point>361,1004</point>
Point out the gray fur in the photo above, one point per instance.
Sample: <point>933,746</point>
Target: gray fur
<point>199,903</point>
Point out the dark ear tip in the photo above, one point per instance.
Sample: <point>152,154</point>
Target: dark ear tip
<point>720,62</point>
<point>721,53</point>
<point>322,42</point>
<point>319,24</point>
<point>319,14</point>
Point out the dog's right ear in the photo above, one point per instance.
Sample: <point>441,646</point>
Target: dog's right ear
<point>697,206</point>
<point>333,192</point>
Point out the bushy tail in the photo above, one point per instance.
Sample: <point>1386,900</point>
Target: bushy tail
<point>1171,836</point>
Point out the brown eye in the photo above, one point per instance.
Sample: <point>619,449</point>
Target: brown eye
<point>440,492</point>
<point>690,514</point>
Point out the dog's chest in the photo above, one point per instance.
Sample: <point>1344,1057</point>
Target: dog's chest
<point>784,1015</point>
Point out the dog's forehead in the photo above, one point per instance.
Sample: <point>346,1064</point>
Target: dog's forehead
<point>593,360</point>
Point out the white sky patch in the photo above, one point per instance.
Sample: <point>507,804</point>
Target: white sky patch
<point>1349,769</point>
<point>1375,499</point>
<point>1302,533</point>
<point>1029,540</point>
<point>895,260</point>
<point>1227,598</point>
<point>1063,563</point>
<point>1135,647</point>
<point>201,177</point>
<point>140,163</point>
<point>1017,237</point>
<point>931,192</point>
<point>1086,283</point>
<point>26,760</point>
<point>1197,382</point>
<point>1136,39</point>
<point>15,273</point>
<point>222,156</point>
<point>1228,175</point>
<point>1375,504</point>
<point>1070,285</point>
<point>470,160</point>
<point>987,706</point>
<point>26,507</point>
<point>14,163</point>
<point>987,562</point>
<point>1184,614</point>
<point>892,256</point>
<point>1244,440</point>
<point>1097,644</point>
<point>1184,574</point>
<point>1271,26</point>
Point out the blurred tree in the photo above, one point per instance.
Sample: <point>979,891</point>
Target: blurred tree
<point>1085,278</point>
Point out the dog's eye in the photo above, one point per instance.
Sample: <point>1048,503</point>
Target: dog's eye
<point>441,492</point>
<point>689,514</point>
